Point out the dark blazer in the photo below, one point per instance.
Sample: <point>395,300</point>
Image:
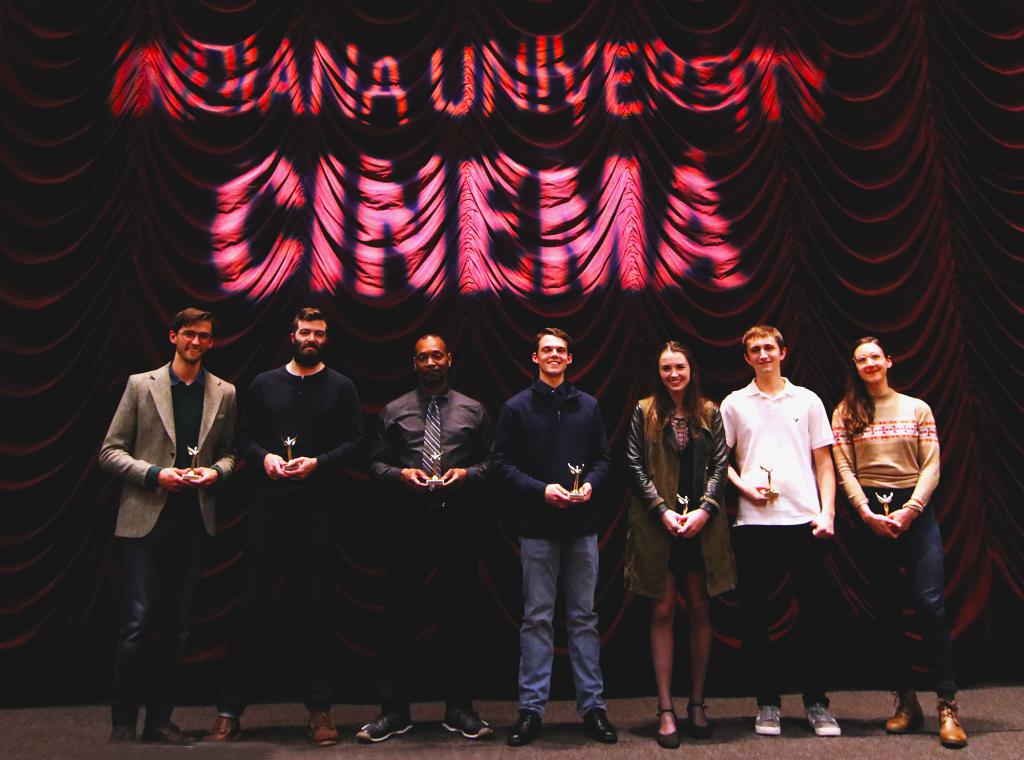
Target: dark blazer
<point>141,435</point>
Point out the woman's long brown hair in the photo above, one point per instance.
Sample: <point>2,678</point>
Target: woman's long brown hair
<point>858,406</point>
<point>695,406</point>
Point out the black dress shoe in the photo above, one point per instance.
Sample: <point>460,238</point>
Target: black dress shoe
<point>598,727</point>
<point>526,729</point>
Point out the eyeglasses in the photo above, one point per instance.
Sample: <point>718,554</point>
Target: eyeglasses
<point>193,335</point>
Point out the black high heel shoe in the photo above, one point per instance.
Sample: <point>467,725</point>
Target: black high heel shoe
<point>668,741</point>
<point>697,732</point>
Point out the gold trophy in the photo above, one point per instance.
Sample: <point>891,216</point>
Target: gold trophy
<point>575,494</point>
<point>769,493</point>
<point>435,478</point>
<point>684,502</point>
<point>190,473</point>
<point>885,501</point>
<point>288,443</point>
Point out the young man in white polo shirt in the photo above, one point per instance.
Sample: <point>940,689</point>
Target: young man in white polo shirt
<point>781,439</point>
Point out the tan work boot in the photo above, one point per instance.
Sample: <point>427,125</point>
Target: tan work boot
<point>321,730</point>
<point>908,716</point>
<point>225,729</point>
<point>951,733</point>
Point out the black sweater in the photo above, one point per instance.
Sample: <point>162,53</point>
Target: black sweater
<point>540,432</point>
<point>320,411</point>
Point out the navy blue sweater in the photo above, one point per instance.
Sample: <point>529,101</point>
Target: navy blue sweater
<point>542,430</point>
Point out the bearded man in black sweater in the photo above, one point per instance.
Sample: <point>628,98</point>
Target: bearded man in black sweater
<point>301,424</point>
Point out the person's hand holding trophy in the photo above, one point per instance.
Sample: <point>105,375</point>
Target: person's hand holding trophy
<point>194,475</point>
<point>556,494</point>
<point>296,468</point>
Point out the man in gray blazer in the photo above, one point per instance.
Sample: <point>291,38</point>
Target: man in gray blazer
<point>171,440</point>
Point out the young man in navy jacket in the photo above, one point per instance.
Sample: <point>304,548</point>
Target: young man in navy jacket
<point>542,432</point>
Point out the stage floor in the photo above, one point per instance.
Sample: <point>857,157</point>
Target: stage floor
<point>993,718</point>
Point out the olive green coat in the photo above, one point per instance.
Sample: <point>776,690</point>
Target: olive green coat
<point>653,461</point>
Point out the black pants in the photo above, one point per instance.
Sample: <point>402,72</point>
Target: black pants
<point>431,594</point>
<point>762,550</point>
<point>273,530</point>
<point>160,573</point>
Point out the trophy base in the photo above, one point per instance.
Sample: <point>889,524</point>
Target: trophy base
<point>191,475</point>
<point>434,482</point>
<point>290,465</point>
<point>576,496</point>
<point>771,495</point>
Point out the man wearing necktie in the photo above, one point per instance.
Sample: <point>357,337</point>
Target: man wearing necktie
<point>429,452</point>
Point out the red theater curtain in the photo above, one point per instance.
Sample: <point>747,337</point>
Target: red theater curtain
<point>629,171</point>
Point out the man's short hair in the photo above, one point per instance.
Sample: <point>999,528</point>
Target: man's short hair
<point>558,333</point>
<point>191,316</point>
<point>763,331</point>
<point>308,314</point>
<point>426,335</point>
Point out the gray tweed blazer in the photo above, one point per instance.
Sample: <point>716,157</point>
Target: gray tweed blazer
<point>142,434</point>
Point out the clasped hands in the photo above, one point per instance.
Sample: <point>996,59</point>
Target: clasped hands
<point>299,468</point>
<point>172,478</point>
<point>684,526</point>
<point>556,495</point>
<point>892,525</point>
<point>416,479</point>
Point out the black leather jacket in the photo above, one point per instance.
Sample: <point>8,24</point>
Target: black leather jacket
<point>710,463</point>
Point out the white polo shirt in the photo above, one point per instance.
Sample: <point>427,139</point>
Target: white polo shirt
<point>778,432</point>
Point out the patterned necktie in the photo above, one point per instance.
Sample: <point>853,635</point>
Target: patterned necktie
<point>431,435</point>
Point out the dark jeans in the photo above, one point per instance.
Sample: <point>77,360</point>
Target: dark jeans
<point>919,551</point>
<point>274,529</point>
<point>160,572</point>
<point>762,550</point>
<point>431,584</point>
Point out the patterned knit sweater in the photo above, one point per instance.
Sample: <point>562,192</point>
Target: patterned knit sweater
<point>900,449</point>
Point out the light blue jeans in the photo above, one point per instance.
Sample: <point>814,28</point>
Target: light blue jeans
<point>544,559</point>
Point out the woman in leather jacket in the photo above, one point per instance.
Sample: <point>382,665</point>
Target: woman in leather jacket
<point>678,535</point>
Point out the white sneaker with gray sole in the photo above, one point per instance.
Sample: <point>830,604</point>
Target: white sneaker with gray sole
<point>821,720</point>
<point>768,721</point>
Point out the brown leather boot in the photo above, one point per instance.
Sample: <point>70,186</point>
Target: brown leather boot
<point>951,733</point>
<point>321,730</point>
<point>225,729</point>
<point>908,716</point>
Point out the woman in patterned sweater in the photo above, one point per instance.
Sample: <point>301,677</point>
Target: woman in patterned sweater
<point>887,454</point>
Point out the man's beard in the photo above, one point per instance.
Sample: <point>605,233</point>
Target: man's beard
<point>307,356</point>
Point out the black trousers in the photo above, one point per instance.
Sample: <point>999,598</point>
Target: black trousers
<point>761,551</point>
<point>432,595</point>
<point>274,530</point>
<point>160,573</point>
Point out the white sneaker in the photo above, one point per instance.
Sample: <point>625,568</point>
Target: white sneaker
<point>768,721</point>
<point>821,720</point>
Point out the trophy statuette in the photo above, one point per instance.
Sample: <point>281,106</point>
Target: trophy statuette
<point>885,501</point>
<point>288,443</point>
<point>435,478</point>
<point>191,473</point>
<point>684,503</point>
<point>769,493</point>
<point>576,494</point>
